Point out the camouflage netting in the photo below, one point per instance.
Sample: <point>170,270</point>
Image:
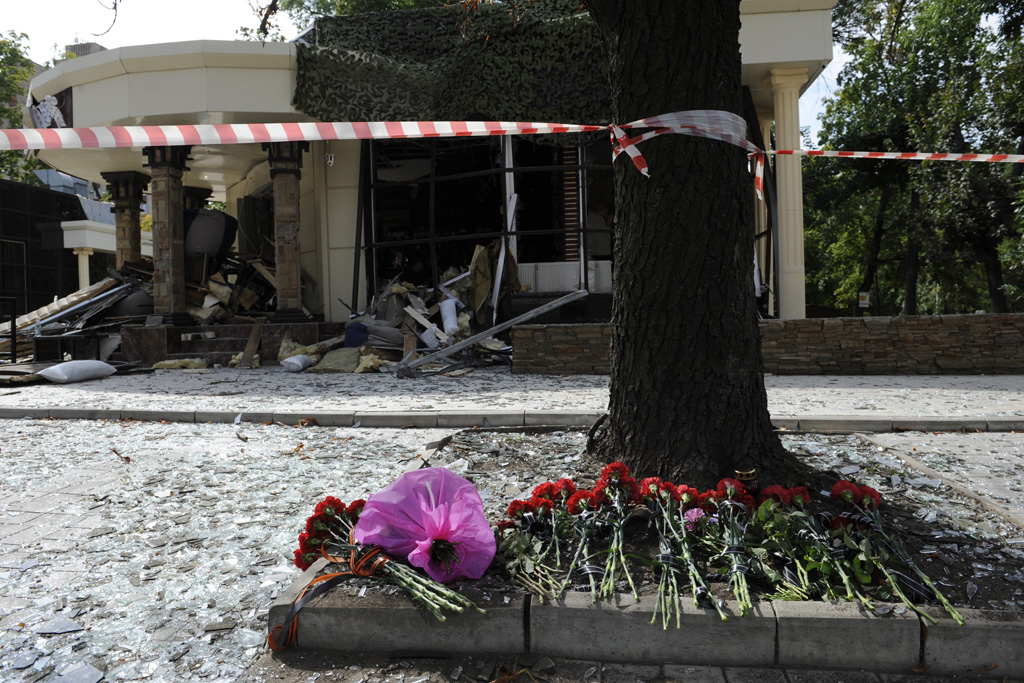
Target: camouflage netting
<point>429,65</point>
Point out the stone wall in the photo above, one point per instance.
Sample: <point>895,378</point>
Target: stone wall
<point>951,344</point>
<point>573,349</point>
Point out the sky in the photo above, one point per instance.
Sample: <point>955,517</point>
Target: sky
<point>139,22</point>
<point>50,23</point>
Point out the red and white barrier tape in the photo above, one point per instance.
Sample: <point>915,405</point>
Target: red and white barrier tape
<point>712,124</point>
<point>718,125</point>
<point>909,156</point>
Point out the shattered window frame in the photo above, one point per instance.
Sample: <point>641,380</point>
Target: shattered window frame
<point>571,170</point>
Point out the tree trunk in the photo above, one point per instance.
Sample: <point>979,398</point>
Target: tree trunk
<point>687,396</point>
<point>874,249</point>
<point>912,260</point>
<point>989,256</point>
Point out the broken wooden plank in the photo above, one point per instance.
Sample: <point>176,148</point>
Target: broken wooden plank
<point>411,342</point>
<point>414,314</point>
<point>465,343</point>
<point>269,277</point>
<point>250,347</point>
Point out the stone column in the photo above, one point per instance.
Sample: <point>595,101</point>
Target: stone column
<point>285,170</point>
<point>167,166</point>
<point>786,85</point>
<point>83,254</point>
<point>195,198</point>
<point>127,187</point>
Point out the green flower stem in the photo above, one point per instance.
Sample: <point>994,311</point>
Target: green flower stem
<point>684,551</point>
<point>826,557</point>
<point>904,556</point>
<point>899,591</point>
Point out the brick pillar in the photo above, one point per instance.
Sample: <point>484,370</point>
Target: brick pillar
<point>195,198</point>
<point>285,169</point>
<point>167,166</point>
<point>127,187</point>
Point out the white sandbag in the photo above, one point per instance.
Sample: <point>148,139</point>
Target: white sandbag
<point>296,363</point>
<point>449,317</point>
<point>77,371</point>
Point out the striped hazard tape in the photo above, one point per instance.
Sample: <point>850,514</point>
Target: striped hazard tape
<point>712,124</point>
<point>909,156</point>
<point>706,123</point>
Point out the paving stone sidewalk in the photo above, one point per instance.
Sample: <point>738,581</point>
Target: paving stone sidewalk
<point>71,487</point>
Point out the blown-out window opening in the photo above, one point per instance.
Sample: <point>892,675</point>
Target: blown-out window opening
<point>433,202</point>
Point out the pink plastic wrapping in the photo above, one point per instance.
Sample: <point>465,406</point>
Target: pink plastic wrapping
<point>433,518</point>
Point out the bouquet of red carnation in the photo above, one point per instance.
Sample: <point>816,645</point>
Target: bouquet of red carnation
<point>879,545</point>
<point>330,534</point>
<point>532,541</point>
<point>332,522</point>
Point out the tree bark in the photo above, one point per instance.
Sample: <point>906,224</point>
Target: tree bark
<point>912,259</point>
<point>874,249</point>
<point>687,397</point>
<point>989,256</point>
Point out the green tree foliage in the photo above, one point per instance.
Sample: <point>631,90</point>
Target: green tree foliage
<point>15,73</point>
<point>925,75</point>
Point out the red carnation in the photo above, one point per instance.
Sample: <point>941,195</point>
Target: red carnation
<point>542,505</point>
<point>777,493</point>
<point>580,501</point>
<point>869,499</point>
<point>354,508</point>
<point>331,506</point>
<point>519,507</point>
<point>800,496</point>
<point>505,525</point>
<point>565,488</point>
<point>708,501</point>
<point>689,496</point>
<point>846,491</point>
<point>304,560</point>
<point>614,470</point>
<point>730,489</point>
<point>546,490</point>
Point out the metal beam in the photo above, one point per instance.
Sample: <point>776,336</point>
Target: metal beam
<point>550,306</point>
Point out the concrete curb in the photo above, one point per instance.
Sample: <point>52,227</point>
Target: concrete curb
<point>388,622</point>
<point>507,418</point>
<point>791,635</point>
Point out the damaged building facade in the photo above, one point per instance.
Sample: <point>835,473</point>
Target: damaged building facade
<point>338,220</point>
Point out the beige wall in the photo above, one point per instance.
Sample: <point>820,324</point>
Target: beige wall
<point>340,200</point>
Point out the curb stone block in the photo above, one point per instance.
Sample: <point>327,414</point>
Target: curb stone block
<point>787,423</point>
<point>566,418</point>
<point>397,420</point>
<point>321,419</point>
<point>815,676</point>
<point>842,635</point>
<point>988,639</point>
<point>489,418</point>
<point>703,674</point>
<point>159,415</point>
<point>620,630</point>
<point>1005,424</point>
<point>755,676</point>
<point>84,414</point>
<point>228,417</point>
<point>25,413</point>
<point>938,424</point>
<point>388,622</point>
<point>837,423</point>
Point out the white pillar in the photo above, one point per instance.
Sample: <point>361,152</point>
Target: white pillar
<point>83,254</point>
<point>786,85</point>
